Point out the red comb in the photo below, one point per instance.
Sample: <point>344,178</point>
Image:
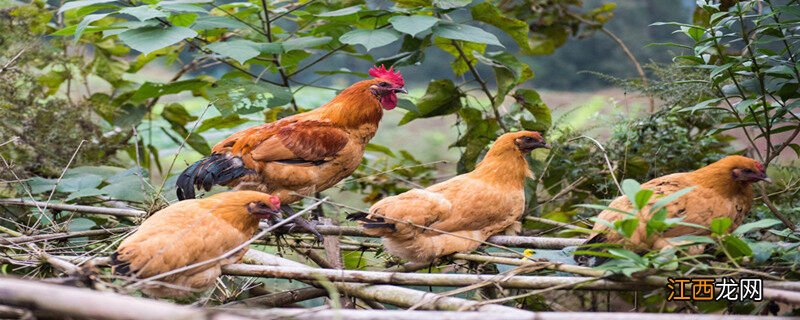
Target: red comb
<point>759,166</point>
<point>275,201</point>
<point>395,77</point>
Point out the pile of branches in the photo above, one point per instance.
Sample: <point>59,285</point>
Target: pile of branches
<point>73,275</point>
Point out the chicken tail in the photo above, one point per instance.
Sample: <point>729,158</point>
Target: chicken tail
<point>367,223</point>
<point>216,169</point>
<point>590,260</point>
<point>119,267</point>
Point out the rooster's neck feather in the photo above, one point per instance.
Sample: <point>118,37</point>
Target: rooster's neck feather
<point>353,107</point>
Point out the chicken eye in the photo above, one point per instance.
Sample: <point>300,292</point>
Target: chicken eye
<point>384,84</point>
<point>527,139</point>
<point>748,171</point>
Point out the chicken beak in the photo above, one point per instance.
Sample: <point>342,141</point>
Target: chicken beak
<point>546,145</point>
<point>401,90</point>
<point>766,179</point>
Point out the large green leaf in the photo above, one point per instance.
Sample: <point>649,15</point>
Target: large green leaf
<point>214,22</point>
<point>176,113</point>
<point>720,225</point>
<point>370,39</point>
<point>509,71</point>
<point>152,90</point>
<point>149,39</point>
<point>532,102</point>
<point>87,20</point>
<point>413,25</point>
<point>451,4</point>
<point>457,31</point>
<point>81,3</point>
<point>517,29</point>
<point>145,12</point>
<point>341,12</point>
<point>736,247</point>
<point>242,96</point>
<point>752,226</point>
<point>221,122</point>
<point>304,42</point>
<point>239,50</point>
<point>441,98</point>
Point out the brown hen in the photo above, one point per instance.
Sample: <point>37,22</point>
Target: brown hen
<point>721,189</point>
<point>473,206</point>
<point>189,232</point>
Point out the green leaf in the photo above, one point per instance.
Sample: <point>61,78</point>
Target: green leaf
<point>509,71</point>
<point>373,147</point>
<point>441,98</point>
<point>144,12</point>
<point>451,4</point>
<point>87,20</point>
<point>517,29</point>
<point>626,227</point>
<point>127,188</point>
<point>221,122</point>
<point>642,198</point>
<point>81,3</point>
<point>151,89</point>
<point>736,247</point>
<point>239,50</point>
<point>531,101</point>
<point>149,39</point>
<point>625,254</point>
<point>182,7</point>
<point>413,25</point>
<point>80,224</point>
<point>630,187</point>
<point>304,42</point>
<point>77,183</point>
<point>243,96</point>
<point>752,226</point>
<point>341,12</point>
<point>182,19</point>
<point>456,31</point>
<point>177,114</point>
<point>370,39</point>
<point>84,193</point>
<point>693,239</point>
<point>214,22</point>
<point>720,225</point>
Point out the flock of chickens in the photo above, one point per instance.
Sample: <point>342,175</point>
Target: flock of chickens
<point>275,164</point>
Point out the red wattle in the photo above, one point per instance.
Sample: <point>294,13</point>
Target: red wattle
<point>389,101</point>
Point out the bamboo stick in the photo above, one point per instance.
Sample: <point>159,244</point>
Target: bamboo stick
<point>401,297</point>
<point>425,279</point>
<point>319,314</point>
<point>280,299</point>
<point>84,303</point>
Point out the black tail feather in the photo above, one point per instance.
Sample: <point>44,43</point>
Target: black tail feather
<point>119,267</point>
<point>583,259</point>
<point>376,225</point>
<point>215,169</point>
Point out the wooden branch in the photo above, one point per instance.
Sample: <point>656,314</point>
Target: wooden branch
<point>426,279</point>
<point>280,299</point>
<point>401,297</point>
<point>63,235</point>
<point>84,303</point>
<point>770,293</point>
<point>76,208</point>
<point>319,314</point>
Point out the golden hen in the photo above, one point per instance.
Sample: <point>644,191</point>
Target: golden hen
<point>475,205</point>
<point>721,189</point>
<point>189,232</point>
<point>302,154</point>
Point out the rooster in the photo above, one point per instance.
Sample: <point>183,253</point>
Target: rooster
<point>720,189</point>
<point>302,154</point>
<point>189,232</point>
<point>472,206</point>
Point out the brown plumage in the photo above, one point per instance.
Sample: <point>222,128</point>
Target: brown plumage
<point>301,154</point>
<point>721,189</point>
<point>475,205</point>
<point>189,232</point>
